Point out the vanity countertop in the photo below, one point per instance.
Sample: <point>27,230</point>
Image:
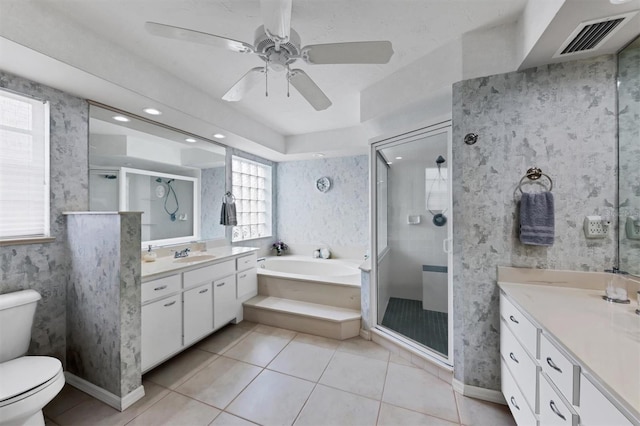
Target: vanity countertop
<point>603,337</point>
<point>168,264</point>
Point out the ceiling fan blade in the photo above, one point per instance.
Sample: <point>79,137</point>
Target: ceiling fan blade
<point>276,15</point>
<point>357,52</point>
<point>309,90</point>
<point>185,34</point>
<point>242,86</point>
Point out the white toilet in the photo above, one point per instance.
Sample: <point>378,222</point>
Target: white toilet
<point>27,383</point>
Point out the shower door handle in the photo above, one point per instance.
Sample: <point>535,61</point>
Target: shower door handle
<point>445,245</point>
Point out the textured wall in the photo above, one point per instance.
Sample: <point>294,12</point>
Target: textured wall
<point>629,142</point>
<point>338,217</point>
<point>212,189</point>
<point>560,118</point>
<point>103,300</point>
<point>45,267</point>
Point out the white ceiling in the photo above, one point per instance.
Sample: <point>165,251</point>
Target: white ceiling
<point>99,50</point>
<point>415,27</point>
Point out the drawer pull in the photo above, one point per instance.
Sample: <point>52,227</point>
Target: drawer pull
<point>555,410</point>
<point>243,276</point>
<point>204,290</point>
<point>514,320</point>
<point>170,303</point>
<point>162,287</point>
<point>513,357</point>
<point>553,365</point>
<point>220,285</point>
<point>513,402</point>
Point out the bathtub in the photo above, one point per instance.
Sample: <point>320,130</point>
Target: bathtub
<point>305,268</point>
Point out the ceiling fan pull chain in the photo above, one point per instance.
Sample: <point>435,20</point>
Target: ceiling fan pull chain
<point>288,80</point>
<point>266,79</point>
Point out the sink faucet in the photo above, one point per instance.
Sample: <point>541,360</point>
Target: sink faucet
<point>182,253</point>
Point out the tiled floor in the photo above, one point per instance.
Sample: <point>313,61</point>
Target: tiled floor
<point>248,373</point>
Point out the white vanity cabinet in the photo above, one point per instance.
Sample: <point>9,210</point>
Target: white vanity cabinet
<point>184,307</point>
<point>542,383</point>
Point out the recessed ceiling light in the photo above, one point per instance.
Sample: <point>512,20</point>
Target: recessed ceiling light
<point>152,111</point>
<point>318,155</point>
<point>219,136</point>
<point>389,162</point>
<point>192,140</point>
<point>121,118</point>
<point>398,158</point>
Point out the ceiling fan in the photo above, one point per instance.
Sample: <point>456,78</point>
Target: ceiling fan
<point>278,45</point>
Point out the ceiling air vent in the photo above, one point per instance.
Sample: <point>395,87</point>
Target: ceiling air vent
<point>590,35</point>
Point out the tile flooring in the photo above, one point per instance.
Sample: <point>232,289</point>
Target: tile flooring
<point>254,374</point>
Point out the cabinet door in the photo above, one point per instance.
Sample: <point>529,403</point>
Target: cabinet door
<point>198,313</point>
<point>224,301</point>
<point>247,284</point>
<point>161,330</point>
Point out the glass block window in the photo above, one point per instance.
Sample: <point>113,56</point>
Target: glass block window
<point>24,167</point>
<point>251,186</point>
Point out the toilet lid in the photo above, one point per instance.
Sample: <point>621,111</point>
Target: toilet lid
<point>22,374</point>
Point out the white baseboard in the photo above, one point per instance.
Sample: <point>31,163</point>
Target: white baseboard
<point>479,393</point>
<point>105,396</point>
<point>365,334</point>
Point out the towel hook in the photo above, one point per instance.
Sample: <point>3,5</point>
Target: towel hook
<point>534,173</point>
<point>228,194</point>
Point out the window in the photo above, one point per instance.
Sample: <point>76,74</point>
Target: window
<point>24,167</point>
<point>251,186</point>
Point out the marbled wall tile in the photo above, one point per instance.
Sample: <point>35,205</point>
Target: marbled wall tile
<point>559,118</point>
<point>213,188</point>
<point>629,143</point>
<point>365,300</point>
<point>337,217</point>
<point>45,267</point>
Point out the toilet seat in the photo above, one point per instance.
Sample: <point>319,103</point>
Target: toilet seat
<point>23,377</point>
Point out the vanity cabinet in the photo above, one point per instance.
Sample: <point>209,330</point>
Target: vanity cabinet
<point>543,384</point>
<point>184,307</point>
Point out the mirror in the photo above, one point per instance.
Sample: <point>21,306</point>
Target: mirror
<point>629,157</point>
<point>177,180</point>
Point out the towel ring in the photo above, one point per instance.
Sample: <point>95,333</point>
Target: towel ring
<point>534,173</point>
<point>228,194</point>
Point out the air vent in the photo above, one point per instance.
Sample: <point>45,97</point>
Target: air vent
<point>590,35</point>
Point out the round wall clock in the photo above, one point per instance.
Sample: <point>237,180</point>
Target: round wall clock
<point>160,191</point>
<point>323,184</point>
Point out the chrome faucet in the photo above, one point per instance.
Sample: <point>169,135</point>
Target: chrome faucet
<point>182,253</point>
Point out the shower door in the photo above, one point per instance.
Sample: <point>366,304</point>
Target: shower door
<point>412,233</point>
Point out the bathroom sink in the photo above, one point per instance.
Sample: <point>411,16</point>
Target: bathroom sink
<point>198,258</point>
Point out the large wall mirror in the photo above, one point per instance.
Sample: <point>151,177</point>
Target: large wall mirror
<point>629,157</point>
<point>176,180</point>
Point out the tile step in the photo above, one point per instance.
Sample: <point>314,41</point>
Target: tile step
<point>305,309</point>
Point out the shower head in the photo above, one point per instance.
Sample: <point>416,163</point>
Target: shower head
<point>169,181</point>
<point>158,180</point>
<point>110,176</point>
<point>440,160</point>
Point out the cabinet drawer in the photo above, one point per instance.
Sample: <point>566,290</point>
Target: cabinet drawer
<point>596,409</point>
<point>246,262</point>
<point>198,313</point>
<point>562,372</point>
<point>523,368</point>
<point>553,408</point>
<point>208,273</point>
<point>515,400</point>
<point>527,333</point>
<point>224,298</point>
<point>160,288</point>
<point>161,330</point>
<point>247,284</point>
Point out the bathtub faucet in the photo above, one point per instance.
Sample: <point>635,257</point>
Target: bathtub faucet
<point>182,253</point>
<point>260,261</point>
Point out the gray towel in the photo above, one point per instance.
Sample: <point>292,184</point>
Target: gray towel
<point>537,219</point>
<point>228,214</point>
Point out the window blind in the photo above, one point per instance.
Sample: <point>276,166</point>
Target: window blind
<point>251,186</point>
<point>24,167</point>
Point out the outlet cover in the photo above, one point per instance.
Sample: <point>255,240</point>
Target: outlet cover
<point>594,227</point>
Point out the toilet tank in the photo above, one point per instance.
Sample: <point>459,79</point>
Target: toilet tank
<point>17,310</point>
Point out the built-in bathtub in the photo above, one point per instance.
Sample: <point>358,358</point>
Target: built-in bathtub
<point>334,282</point>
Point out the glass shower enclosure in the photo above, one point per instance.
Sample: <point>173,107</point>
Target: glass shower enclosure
<point>412,231</point>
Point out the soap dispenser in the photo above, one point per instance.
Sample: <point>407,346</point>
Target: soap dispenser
<point>150,255</point>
